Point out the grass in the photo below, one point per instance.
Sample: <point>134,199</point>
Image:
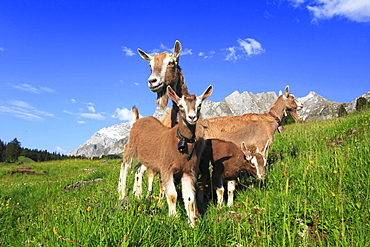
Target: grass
<point>316,194</point>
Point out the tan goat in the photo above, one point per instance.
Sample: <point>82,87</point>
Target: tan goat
<point>165,71</point>
<point>174,151</point>
<point>228,161</point>
<point>254,129</point>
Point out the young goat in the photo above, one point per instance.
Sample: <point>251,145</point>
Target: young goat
<point>254,129</point>
<point>228,161</point>
<point>170,152</point>
<point>166,72</point>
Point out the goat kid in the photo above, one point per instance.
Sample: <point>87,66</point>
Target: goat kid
<point>156,147</point>
<point>228,161</point>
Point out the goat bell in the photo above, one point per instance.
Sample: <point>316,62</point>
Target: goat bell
<point>181,145</point>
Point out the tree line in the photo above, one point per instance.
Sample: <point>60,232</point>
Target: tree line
<point>361,104</point>
<point>10,152</point>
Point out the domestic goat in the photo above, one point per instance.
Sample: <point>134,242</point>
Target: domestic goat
<point>228,161</point>
<point>254,129</point>
<point>169,151</point>
<point>165,71</point>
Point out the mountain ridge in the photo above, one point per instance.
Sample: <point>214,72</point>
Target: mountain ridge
<point>111,140</point>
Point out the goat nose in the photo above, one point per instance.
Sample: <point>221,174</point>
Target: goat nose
<point>151,81</point>
<point>192,118</point>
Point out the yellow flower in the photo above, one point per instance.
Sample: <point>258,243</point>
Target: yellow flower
<point>311,161</point>
<point>55,231</point>
<point>334,171</point>
<point>139,208</point>
<point>88,209</point>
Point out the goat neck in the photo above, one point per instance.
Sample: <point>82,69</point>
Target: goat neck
<point>186,131</point>
<point>278,109</point>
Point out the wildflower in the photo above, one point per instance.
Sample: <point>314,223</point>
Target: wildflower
<point>55,231</point>
<point>139,208</point>
<point>311,161</point>
<point>335,171</point>
<point>88,209</point>
<point>157,197</point>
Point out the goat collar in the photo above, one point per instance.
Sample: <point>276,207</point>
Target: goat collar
<point>277,119</point>
<point>187,140</point>
<point>183,140</point>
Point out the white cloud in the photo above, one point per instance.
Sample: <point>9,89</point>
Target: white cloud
<point>73,101</point>
<point>31,89</point>
<point>91,108</point>
<point>46,89</point>
<point>355,10</point>
<point>2,49</point>
<point>136,84</point>
<point>232,54</point>
<point>81,122</point>
<point>127,51</point>
<point>123,114</point>
<point>206,55</point>
<point>96,116</point>
<point>247,47</point>
<point>251,46</point>
<point>187,52</point>
<point>25,111</point>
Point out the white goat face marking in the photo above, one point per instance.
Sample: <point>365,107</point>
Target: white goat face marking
<point>188,106</point>
<point>158,66</point>
<point>255,165</point>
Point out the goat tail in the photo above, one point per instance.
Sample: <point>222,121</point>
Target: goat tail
<point>135,113</point>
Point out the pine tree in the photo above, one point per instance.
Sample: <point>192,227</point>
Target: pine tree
<point>12,151</point>
<point>2,149</point>
<point>361,104</point>
<point>342,111</point>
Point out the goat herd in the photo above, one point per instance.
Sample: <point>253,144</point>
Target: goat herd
<point>182,145</point>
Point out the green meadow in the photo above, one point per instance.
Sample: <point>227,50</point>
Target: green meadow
<point>316,194</point>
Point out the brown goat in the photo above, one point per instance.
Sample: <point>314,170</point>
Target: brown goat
<point>166,71</point>
<point>228,161</point>
<point>174,151</point>
<point>254,129</point>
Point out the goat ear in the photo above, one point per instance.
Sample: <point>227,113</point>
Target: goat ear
<point>144,55</point>
<point>206,93</point>
<point>245,150</point>
<point>172,94</point>
<point>286,93</point>
<point>177,50</point>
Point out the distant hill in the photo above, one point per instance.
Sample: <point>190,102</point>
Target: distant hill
<point>111,140</point>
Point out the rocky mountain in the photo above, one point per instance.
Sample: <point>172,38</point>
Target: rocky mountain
<point>111,140</point>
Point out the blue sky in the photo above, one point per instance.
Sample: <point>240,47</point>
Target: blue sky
<point>70,68</point>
